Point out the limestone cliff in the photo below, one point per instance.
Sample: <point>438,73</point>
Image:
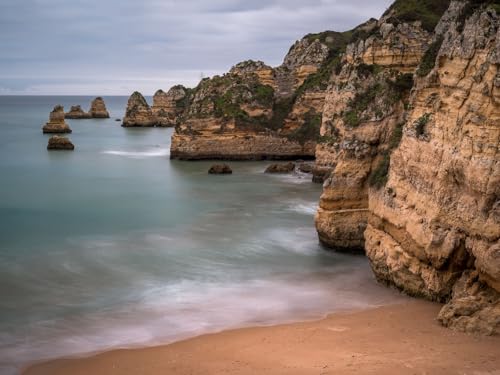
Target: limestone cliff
<point>56,122</point>
<point>138,113</point>
<point>415,166</point>
<point>77,113</point>
<point>98,108</point>
<point>256,111</point>
<point>169,106</point>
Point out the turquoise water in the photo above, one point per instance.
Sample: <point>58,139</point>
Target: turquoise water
<point>114,245</point>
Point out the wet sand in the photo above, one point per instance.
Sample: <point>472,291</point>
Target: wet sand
<point>395,339</point>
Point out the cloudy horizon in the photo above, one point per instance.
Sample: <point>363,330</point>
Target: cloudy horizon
<point>54,47</point>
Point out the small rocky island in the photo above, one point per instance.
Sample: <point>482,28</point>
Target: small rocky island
<point>58,142</point>
<point>56,122</point>
<point>165,112</point>
<point>220,169</point>
<point>77,113</point>
<point>97,110</point>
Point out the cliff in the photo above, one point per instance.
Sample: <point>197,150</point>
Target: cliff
<point>411,135</point>
<point>169,106</point>
<point>259,112</point>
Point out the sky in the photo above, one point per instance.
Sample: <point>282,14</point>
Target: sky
<point>114,47</point>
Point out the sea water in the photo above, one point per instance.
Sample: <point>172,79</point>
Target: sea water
<point>114,245</point>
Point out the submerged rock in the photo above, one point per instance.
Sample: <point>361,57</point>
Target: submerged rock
<point>281,168</point>
<point>220,169</point>
<point>77,113</point>
<point>138,113</point>
<point>56,122</point>
<point>98,108</point>
<point>57,142</point>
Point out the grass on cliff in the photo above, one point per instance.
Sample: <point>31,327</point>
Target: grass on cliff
<point>309,131</point>
<point>379,176</point>
<point>429,59</point>
<point>429,12</point>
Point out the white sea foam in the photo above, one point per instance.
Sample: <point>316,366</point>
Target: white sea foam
<point>138,154</point>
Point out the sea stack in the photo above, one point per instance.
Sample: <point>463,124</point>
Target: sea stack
<point>56,122</point>
<point>169,106</point>
<point>77,113</point>
<point>138,113</point>
<point>98,108</point>
<point>58,142</point>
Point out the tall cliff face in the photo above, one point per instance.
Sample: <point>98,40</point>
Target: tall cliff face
<point>415,177</point>
<point>437,219</point>
<point>168,107</point>
<point>362,119</point>
<point>255,111</point>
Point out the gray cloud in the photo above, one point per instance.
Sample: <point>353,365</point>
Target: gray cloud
<point>114,47</point>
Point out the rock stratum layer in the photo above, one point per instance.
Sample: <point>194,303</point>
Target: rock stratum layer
<point>415,165</point>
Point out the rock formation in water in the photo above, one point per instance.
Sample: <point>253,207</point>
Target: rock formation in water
<point>57,142</point>
<point>258,112</point>
<point>415,166</point>
<point>56,122</point>
<point>98,108</point>
<point>168,107</point>
<point>281,168</point>
<point>77,113</point>
<point>220,169</point>
<point>138,113</point>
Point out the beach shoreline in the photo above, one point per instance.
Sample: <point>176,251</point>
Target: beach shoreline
<point>392,339</point>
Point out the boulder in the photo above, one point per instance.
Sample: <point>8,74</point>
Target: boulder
<point>306,167</point>
<point>77,113</point>
<point>281,168</point>
<point>220,169</point>
<point>138,113</point>
<point>57,142</point>
<point>98,108</point>
<point>56,122</point>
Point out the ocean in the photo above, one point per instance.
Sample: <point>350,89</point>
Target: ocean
<point>114,245</point>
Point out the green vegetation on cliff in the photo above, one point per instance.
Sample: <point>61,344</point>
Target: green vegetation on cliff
<point>428,12</point>
<point>309,130</point>
<point>429,59</point>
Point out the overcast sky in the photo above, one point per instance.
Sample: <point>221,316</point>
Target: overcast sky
<point>113,47</point>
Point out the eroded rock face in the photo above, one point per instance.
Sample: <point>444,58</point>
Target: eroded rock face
<point>362,116</point>
<point>434,227</point>
<point>415,178</point>
<point>77,113</point>
<point>138,113</point>
<point>98,108</point>
<point>57,142</point>
<point>56,122</point>
<point>168,107</point>
<point>255,111</point>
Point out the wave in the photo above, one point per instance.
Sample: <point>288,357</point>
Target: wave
<point>138,154</point>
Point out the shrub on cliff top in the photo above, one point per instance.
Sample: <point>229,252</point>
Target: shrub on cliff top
<point>428,12</point>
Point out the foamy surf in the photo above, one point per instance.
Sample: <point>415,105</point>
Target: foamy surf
<point>138,154</point>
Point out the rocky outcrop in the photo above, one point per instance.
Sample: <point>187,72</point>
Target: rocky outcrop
<point>437,218</point>
<point>77,113</point>
<point>168,107</point>
<point>362,116</point>
<point>220,169</point>
<point>281,168</point>
<point>415,178</point>
<point>56,122</point>
<point>57,142</point>
<point>138,113</point>
<point>256,111</point>
<point>98,108</point>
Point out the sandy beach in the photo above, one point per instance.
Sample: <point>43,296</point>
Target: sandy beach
<point>395,339</point>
